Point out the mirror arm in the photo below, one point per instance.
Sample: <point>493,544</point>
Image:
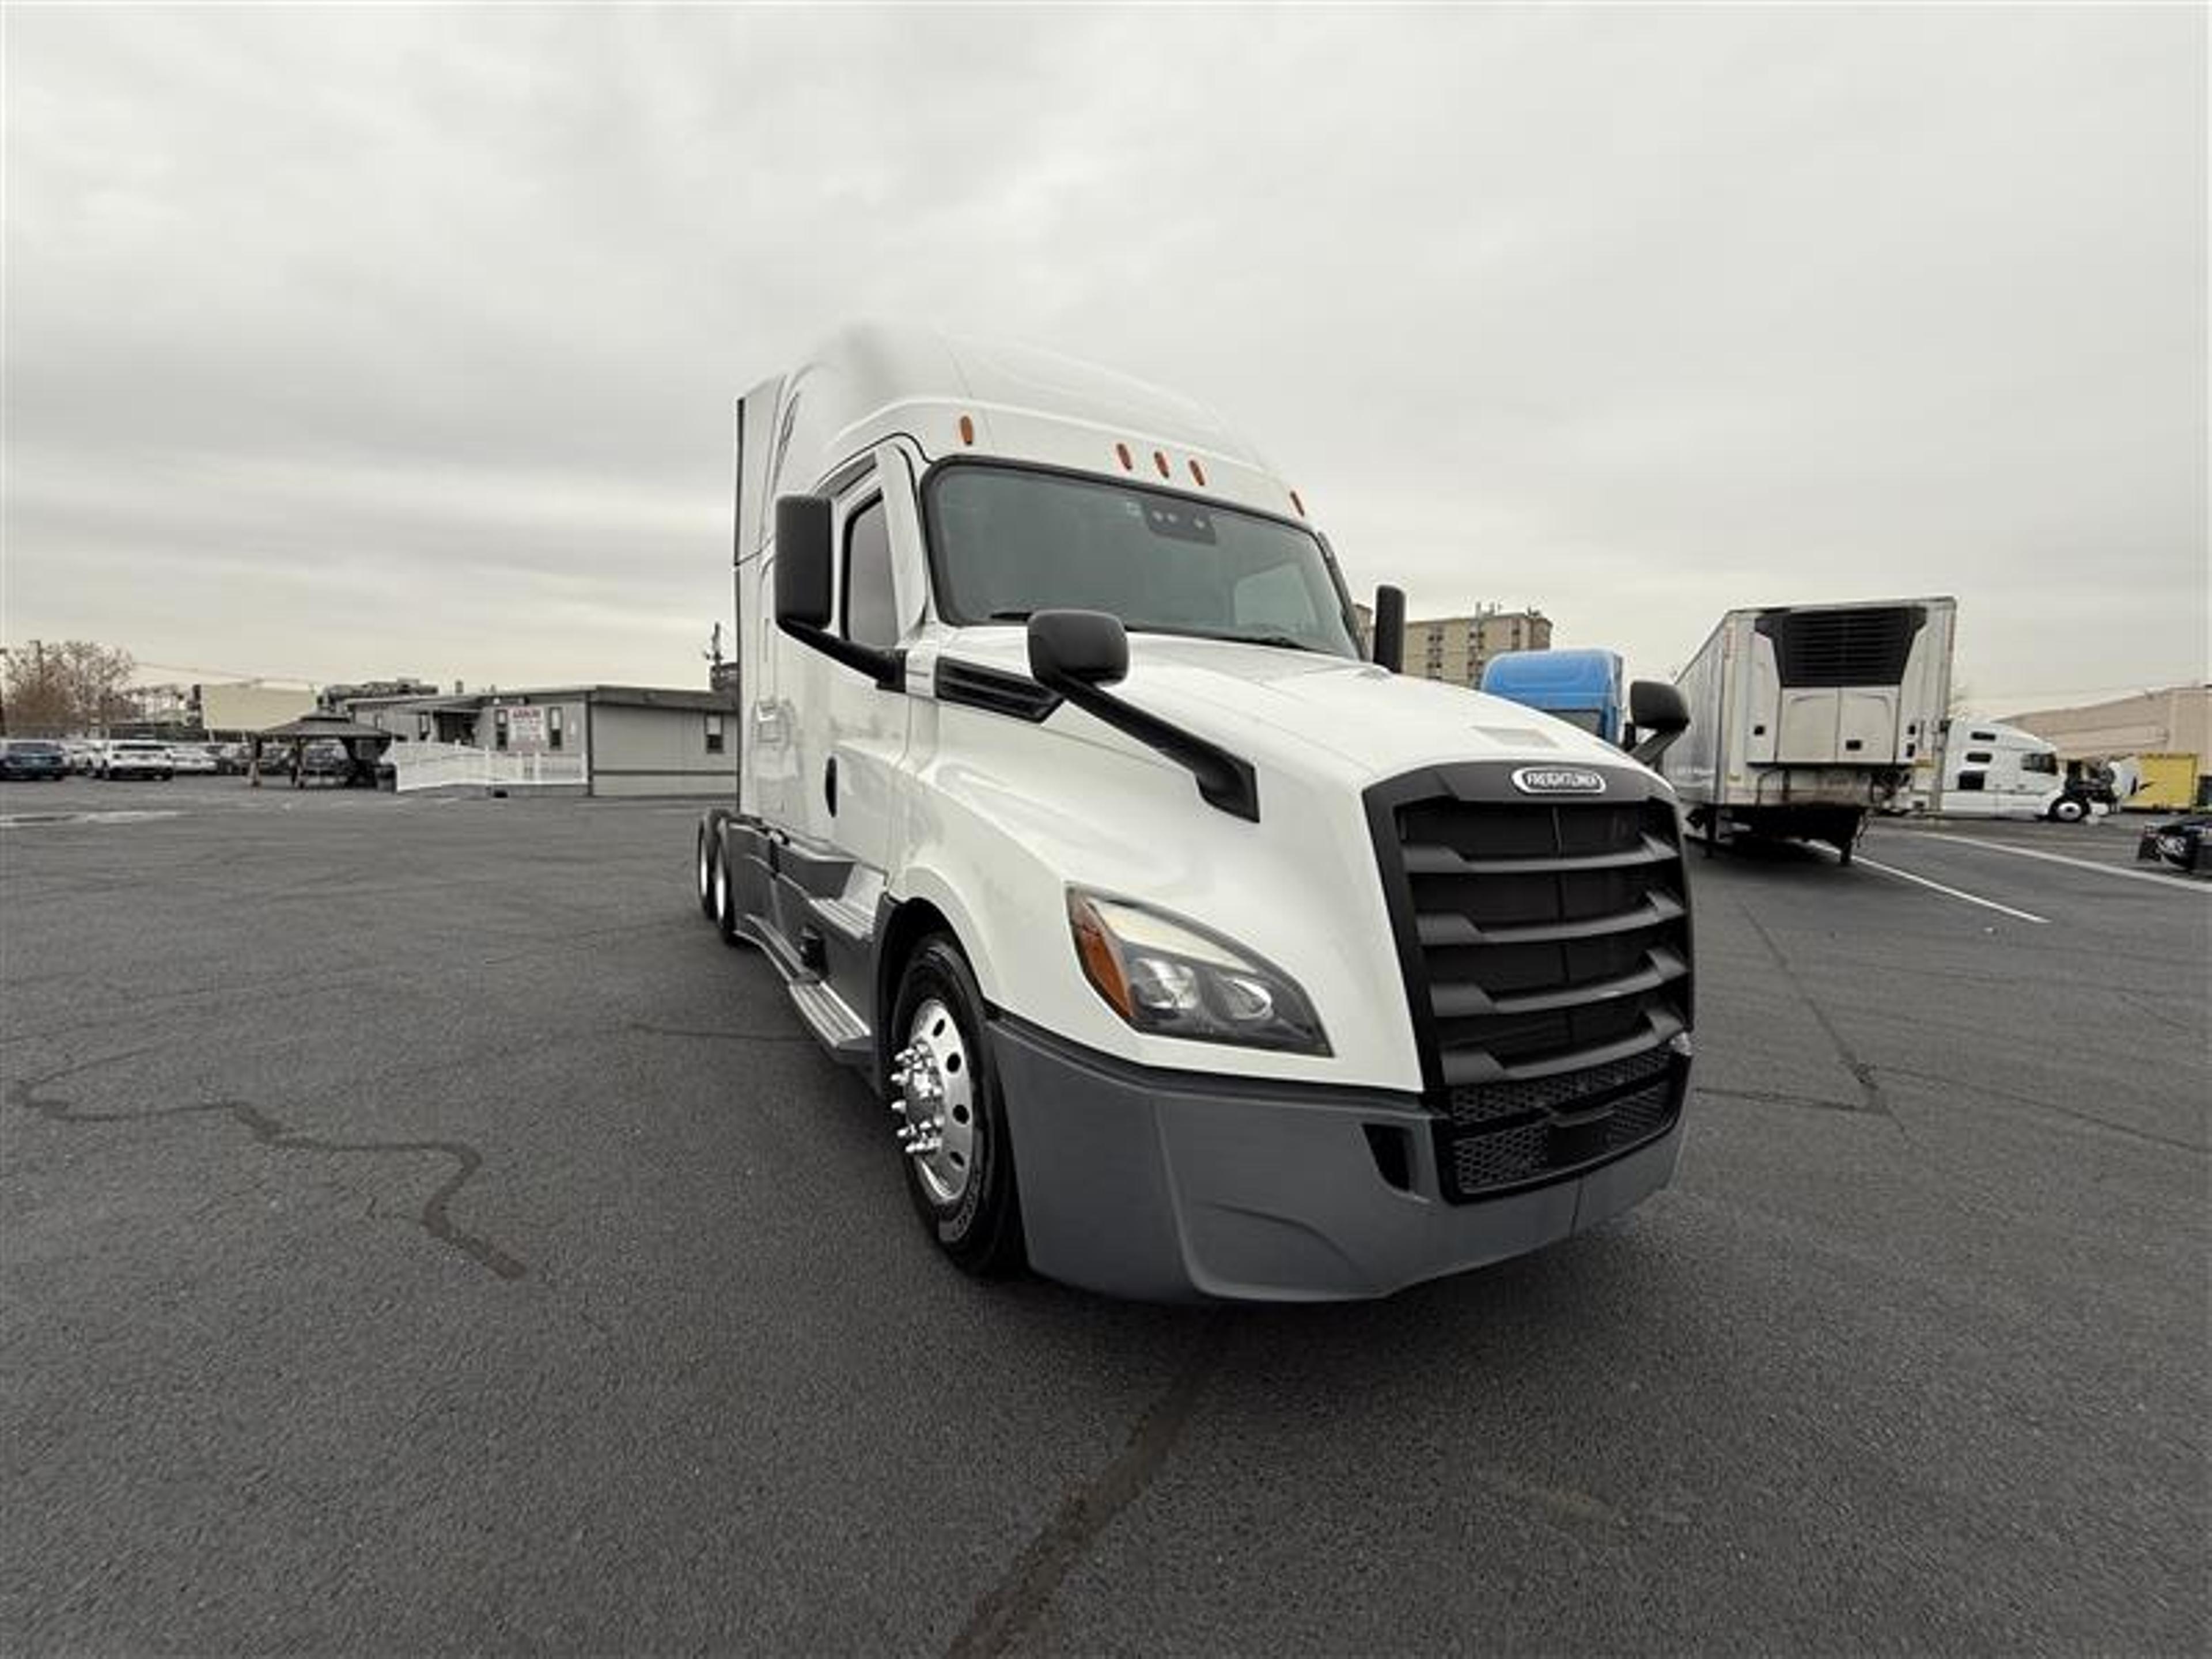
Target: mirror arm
<point>887,668</point>
<point>1226,780</point>
<point>1658,744</point>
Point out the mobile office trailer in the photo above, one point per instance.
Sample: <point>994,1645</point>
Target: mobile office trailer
<point>1192,955</point>
<point>1805,718</point>
<point>1581,687</point>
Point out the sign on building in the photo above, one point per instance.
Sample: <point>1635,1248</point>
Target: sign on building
<point>526,727</point>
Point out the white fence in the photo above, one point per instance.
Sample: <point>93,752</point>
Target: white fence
<point>456,765</point>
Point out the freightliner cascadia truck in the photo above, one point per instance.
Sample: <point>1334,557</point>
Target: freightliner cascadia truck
<point>1805,718</point>
<point>1192,955</point>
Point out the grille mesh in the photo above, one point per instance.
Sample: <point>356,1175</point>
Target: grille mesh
<point>1520,1151</point>
<point>1470,1107</point>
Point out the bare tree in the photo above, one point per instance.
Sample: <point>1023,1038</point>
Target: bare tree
<point>71,685</point>
<point>98,677</point>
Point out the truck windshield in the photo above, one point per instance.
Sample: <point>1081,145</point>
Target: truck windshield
<point>1004,542</point>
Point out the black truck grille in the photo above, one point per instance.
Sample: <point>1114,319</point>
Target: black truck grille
<point>1546,949</point>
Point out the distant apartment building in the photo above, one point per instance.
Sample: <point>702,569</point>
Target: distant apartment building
<point>1455,648</point>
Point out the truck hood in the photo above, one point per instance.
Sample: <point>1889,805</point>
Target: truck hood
<point>1313,713</point>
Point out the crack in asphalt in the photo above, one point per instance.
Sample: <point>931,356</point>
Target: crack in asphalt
<point>1003,1612</point>
<point>648,1029</point>
<point>1870,1090</point>
<point>2073,1114</point>
<point>1780,1098</point>
<point>435,1217</point>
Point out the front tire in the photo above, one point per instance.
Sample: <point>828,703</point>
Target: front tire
<point>963,1186</point>
<point>705,865</point>
<point>2069,810</point>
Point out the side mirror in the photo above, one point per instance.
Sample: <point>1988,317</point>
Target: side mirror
<point>1389,647</point>
<point>802,592</point>
<point>802,562</point>
<point>1659,715</point>
<point>1088,646</point>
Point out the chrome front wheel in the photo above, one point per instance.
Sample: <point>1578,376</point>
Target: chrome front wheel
<point>935,1078</point>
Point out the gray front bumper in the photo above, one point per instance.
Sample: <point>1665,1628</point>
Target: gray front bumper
<point>1176,1186</point>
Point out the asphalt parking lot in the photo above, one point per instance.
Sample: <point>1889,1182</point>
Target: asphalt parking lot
<point>421,1234</point>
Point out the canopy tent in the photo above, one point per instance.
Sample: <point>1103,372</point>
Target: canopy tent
<point>363,745</point>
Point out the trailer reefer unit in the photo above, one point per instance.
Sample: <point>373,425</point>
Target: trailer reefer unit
<point>1805,718</point>
<point>1192,955</point>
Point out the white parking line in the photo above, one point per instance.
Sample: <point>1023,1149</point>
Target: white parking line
<point>1953,892</point>
<point>2167,882</point>
<point>28,820</point>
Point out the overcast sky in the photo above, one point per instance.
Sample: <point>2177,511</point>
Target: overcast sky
<point>347,343</point>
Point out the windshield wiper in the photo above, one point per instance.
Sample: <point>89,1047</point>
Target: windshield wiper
<point>1009,616</point>
<point>1283,642</point>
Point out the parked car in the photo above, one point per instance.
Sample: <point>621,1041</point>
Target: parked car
<point>325,757</point>
<point>191,757</point>
<point>32,759</point>
<point>2185,844</point>
<point>84,754</point>
<point>136,757</point>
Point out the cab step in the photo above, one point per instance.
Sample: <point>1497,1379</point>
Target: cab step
<point>835,1026</point>
<point>855,922</point>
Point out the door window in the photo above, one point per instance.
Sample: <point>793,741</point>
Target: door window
<point>871,609</point>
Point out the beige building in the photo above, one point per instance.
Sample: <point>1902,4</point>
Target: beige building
<point>1455,648</point>
<point>2169,732</point>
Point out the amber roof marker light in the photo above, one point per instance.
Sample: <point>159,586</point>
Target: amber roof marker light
<point>1197,473</point>
<point>1128,461</point>
<point>1299,504</point>
<point>1160,460</point>
<point>968,429</point>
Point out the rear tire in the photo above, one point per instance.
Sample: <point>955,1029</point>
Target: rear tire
<point>724,905</point>
<point>979,1227</point>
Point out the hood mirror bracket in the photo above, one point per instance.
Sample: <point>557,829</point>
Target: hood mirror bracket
<point>1077,653</point>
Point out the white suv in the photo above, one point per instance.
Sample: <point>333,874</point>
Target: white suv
<point>135,757</point>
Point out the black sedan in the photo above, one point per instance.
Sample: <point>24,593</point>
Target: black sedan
<point>2185,844</point>
<point>32,758</point>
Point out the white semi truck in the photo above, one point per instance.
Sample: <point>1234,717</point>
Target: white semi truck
<point>1193,956</point>
<point>1805,718</point>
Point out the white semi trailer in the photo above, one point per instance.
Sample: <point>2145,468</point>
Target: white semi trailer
<point>1192,955</point>
<point>1805,718</point>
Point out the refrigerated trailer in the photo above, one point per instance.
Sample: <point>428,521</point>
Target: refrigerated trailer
<point>1805,718</point>
<point>1187,954</point>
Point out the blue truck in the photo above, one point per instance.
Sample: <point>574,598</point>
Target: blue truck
<point>1580,687</point>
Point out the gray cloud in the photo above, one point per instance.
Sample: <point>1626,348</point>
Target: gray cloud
<point>343,342</point>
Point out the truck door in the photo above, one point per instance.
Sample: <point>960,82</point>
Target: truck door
<point>848,735</point>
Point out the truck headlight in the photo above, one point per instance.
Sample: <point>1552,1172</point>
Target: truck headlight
<point>1174,978</point>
